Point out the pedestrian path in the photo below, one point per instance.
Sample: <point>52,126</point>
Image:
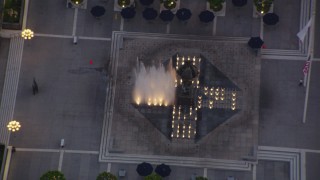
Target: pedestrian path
<point>10,86</point>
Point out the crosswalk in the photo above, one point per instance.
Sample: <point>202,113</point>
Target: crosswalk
<point>10,86</point>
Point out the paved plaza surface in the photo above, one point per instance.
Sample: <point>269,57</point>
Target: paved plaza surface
<point>131,133</point>
<point>73,100</point>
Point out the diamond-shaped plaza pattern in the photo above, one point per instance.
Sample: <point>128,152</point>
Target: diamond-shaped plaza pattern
<point>216,131</point>
<point>196,118</point>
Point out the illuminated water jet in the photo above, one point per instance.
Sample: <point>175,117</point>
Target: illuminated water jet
<point>154,85</point>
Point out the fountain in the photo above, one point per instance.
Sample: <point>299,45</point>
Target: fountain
<point>155,85</point>
<point>186,99</point>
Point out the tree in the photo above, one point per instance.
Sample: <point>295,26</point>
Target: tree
<point>106,176</point>
<point>263,6</point>
<point>153,176</point>
<point>53,175</point>
<point>169,4</point>
<point>216,5</point>
<point>77,1</point>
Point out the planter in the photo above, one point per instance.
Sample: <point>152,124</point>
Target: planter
<point>169,4</point>
<point>77,2</point>
<point>56,175</point>
<point>263,6</point>
<point>216,7</point>
<point>123,3</point>
<point>12,14</point>
<point>106,175</point>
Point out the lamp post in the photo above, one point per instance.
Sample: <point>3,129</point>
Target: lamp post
<point>13,126</point>
<point>27,34</point>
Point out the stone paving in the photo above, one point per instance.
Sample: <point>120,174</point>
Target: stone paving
<point>313,166</point>
<point>281,94</point>
<point>217,174</point>
<point>281,100</point>
<point>31,165</point>
<point>69,103</point>
<point>286,29</point>
<point>273,170</point>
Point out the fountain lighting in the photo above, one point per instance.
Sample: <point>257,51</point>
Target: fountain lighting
<point>154,86</point>
<point>222,94</point>
<point>233,99</point>
<point>205,90</point>
<point>217,91</point>
<point>138,101</point>
<point>216,94</point>
<point>211,91</point>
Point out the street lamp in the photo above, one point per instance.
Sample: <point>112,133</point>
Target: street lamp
<point>27,34</point>
<point>14,126</point>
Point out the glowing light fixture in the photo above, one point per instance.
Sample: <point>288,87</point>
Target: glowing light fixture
<point>14,126</point>
<point>27,34</point>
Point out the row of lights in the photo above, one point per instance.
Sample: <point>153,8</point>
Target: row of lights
<point>233,100</point>
<point>182,130</point>
<point>215,95</point>
<point>182,60</point>
<point>218,93</point>
<point>186,132</point>
<point>155,102</point>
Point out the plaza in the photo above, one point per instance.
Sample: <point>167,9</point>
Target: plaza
<point>85,93</point>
